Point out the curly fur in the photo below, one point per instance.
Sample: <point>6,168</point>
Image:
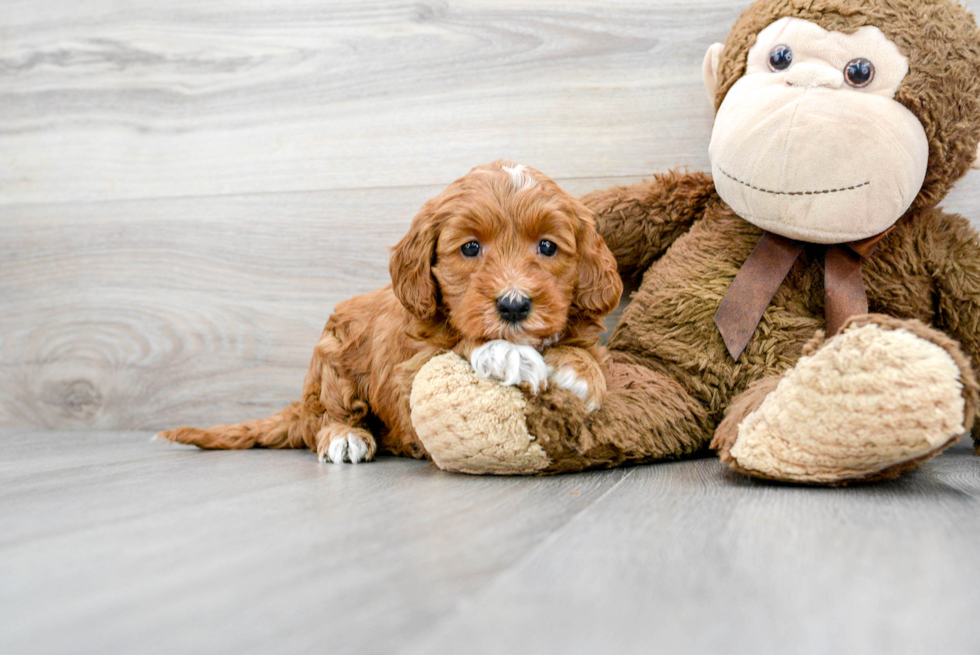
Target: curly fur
<point>356,393</point>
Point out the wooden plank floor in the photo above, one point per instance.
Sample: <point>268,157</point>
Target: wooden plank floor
<point>111,543</point>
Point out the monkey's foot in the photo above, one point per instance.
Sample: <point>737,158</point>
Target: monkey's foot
<point>878,399</point>
<point>470,423</point>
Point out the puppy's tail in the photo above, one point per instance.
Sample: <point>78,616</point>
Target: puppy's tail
<point>287,429</point>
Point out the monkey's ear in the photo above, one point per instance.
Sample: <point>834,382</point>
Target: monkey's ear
<point>411,265</point>
<point>709,70</point>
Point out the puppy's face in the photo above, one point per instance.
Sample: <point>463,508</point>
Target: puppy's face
<point>507,259</point>
<point>513,257</point>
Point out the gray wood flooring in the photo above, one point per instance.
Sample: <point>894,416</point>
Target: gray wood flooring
<point>111,543</point>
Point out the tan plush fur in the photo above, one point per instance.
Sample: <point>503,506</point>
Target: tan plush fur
<point>850,469</point>
<point>497,441</point>
<point>670,379</point>
<point>822,185</point>
<point>356,393</point>
<point>871,397</point>
<point>942,88</point>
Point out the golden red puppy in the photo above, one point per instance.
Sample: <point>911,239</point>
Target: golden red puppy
<point>503,267</point>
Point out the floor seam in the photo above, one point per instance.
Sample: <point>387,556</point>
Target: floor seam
<point>196,504</point>
<point>257,194</point>
<point>462,606</point>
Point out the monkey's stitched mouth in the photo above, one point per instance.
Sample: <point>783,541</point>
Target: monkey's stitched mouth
<point>792,193</point>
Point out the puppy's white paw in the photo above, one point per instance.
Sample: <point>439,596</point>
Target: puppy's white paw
<point>510,363</point>
<point>567,378</point>
<point>350,448</point>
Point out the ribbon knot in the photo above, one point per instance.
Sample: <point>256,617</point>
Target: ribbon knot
<point>763,273</point>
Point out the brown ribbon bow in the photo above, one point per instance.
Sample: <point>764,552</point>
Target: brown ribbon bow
<point>764,271</point>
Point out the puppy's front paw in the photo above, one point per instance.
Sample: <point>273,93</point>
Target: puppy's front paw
<point>353,445</point>
<point>568,378</point>
<point>510,363</point>
<point>576,370</point>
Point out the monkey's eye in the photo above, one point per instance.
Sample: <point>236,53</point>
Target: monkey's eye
<point>859,72</point>
<point>780,58</point>
<point>547,248</point>
<point>470,249</point>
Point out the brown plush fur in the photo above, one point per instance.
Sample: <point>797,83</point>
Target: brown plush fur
<point>671,380</point>
<point>362,369</point>
<point>747,402</point>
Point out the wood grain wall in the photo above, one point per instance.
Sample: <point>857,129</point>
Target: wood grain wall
<point>188,187</point>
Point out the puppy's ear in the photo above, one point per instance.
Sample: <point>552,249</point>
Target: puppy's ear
<point>599,284</point>
<point>411,265</point>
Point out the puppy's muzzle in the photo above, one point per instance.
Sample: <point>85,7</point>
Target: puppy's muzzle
<point>513,308</point>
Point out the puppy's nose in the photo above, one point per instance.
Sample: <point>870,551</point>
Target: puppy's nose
<point>513,308</point>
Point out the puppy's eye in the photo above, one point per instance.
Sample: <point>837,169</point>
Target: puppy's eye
<point>547,248</point>
<point>780,58</point>
<point>470,249</point>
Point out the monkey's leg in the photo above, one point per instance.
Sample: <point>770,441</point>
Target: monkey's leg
<point>647,415</point>
<point>473,425</point>
<point>876,400</point>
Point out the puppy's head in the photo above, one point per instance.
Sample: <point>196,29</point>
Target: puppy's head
<point>504,253</point>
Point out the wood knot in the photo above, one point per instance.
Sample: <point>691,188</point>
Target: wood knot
<point>77,399</point>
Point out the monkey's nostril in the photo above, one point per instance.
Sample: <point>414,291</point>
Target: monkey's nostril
<point>513,308</point>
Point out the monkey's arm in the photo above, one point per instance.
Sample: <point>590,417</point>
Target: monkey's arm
<point>954,254</point>
<point>640,221</point>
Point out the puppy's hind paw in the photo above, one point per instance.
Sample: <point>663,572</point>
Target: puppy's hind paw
<point>510,363</point>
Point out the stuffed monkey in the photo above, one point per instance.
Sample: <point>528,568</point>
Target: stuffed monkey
<point>805,310</point>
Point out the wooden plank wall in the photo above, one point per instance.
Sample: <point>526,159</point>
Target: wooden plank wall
<point>188,187</point>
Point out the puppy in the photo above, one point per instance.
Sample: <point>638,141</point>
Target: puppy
<point>503,267</point>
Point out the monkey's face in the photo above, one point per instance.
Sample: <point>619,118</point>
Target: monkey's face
<point>810,143</point>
